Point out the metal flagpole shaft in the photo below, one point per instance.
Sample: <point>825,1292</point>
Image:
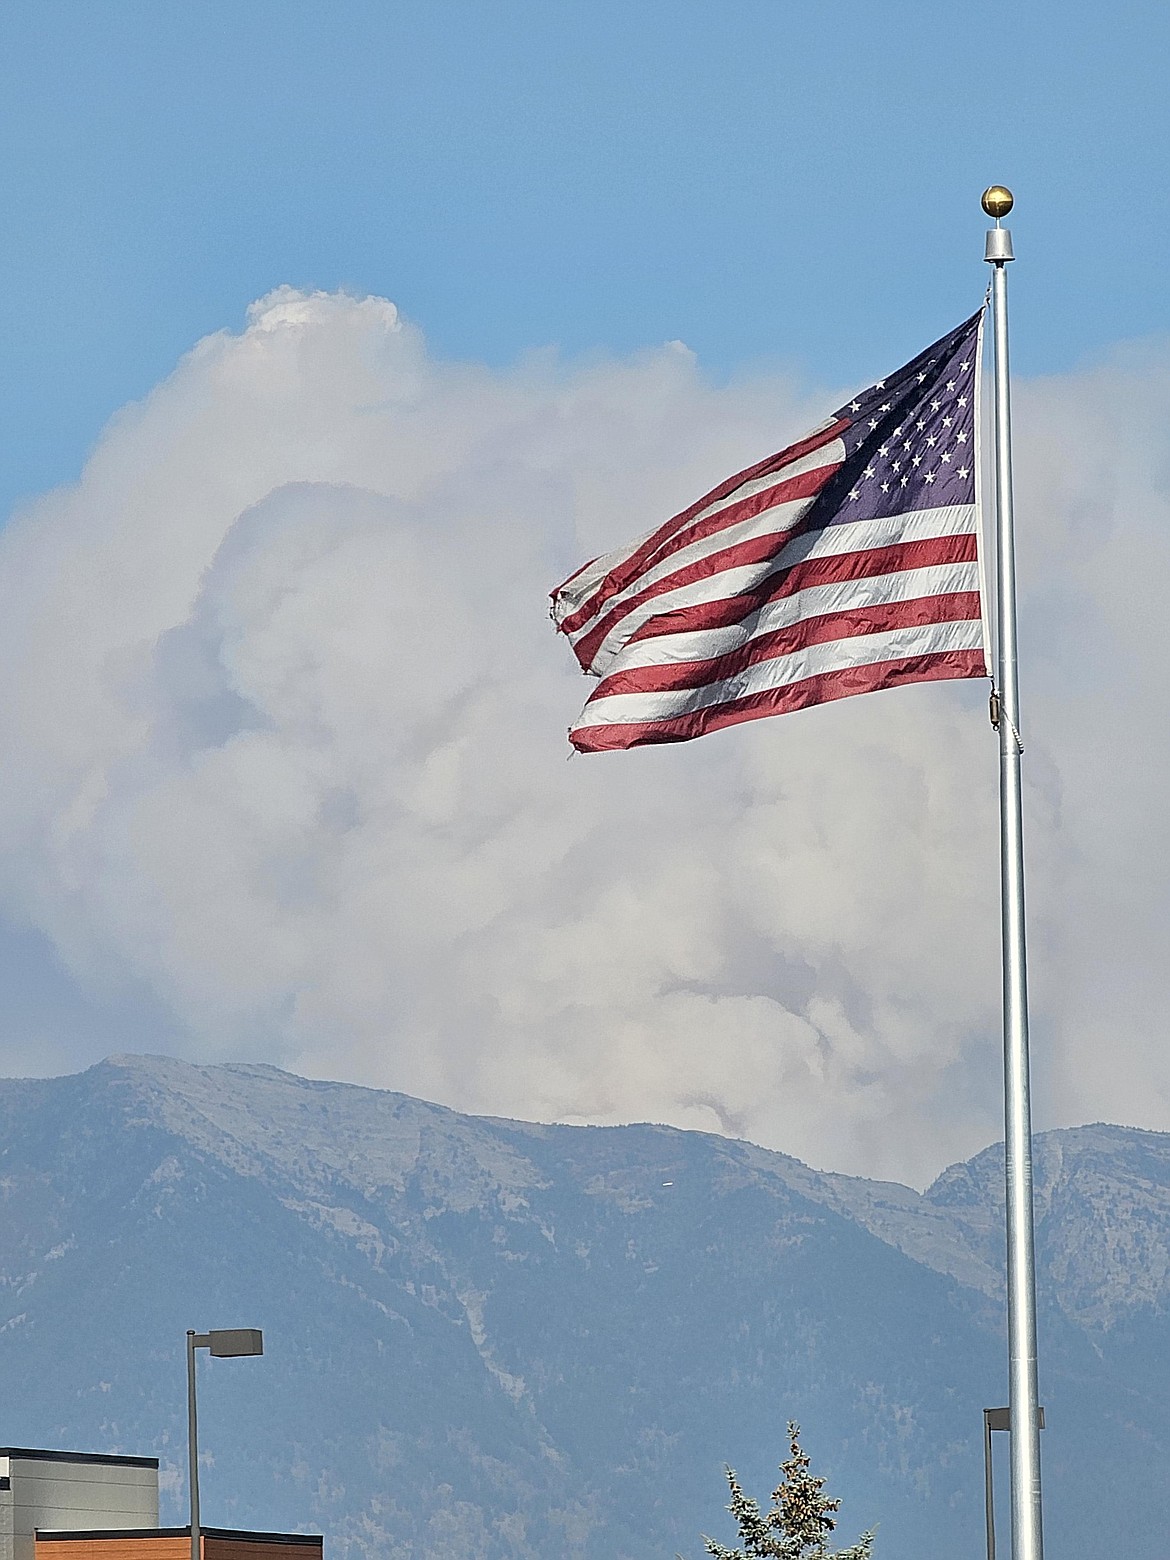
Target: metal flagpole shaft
<point>1027,1536</point>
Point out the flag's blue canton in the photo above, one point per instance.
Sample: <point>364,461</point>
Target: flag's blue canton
<point>910,443</point>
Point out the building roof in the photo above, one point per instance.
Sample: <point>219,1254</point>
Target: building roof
<point>39,1454</point>
<point>180,1532</point>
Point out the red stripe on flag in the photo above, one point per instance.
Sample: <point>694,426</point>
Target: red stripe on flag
<point>830,569</point>
<point>760,549</point>
<point>785,490</point>
<point>643,558</point>
<point>821,689</point>
<point>788,490</point>
<point>947,607</point>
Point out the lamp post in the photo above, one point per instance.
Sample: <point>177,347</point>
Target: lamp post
<point>996,1419</point>
<point>228,1343</point>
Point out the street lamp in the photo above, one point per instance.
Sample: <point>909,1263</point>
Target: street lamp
<point>995,1419</point>
<point>228,1343</point>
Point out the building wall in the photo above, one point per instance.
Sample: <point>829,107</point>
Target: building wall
<point>217,1547</point>
<point>174,1546</point>
<point>56,1493</point>
<point>160,1547</point>
<point>5,1511</point>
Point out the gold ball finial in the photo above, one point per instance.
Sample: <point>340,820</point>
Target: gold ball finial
<point>997,201</point>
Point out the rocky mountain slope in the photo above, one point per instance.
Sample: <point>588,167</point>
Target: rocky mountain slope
<point>493,1339</point>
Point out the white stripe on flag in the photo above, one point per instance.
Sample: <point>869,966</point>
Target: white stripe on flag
<point>575,592</point>
<point>940,579</point>
<point>815,660</point>
<point>834,541</point>
<point>774,521</point>
<point>831,454</point>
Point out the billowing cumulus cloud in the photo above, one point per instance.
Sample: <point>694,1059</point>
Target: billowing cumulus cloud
<point>282,743</point>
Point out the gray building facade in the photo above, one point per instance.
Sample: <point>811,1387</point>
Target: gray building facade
<point>71,1490</point>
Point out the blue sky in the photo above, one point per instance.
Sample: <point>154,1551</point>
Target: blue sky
<point>551,194</point>
<point>767,182</point>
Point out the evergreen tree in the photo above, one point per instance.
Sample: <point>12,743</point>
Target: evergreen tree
<point>797,1526</point>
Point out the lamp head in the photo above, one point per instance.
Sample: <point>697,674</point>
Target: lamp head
<point>231,1342</point>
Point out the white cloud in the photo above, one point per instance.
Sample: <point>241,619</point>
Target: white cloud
<point>282,741</point>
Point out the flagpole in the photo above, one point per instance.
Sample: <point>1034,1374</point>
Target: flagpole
<point>1027,1536</point>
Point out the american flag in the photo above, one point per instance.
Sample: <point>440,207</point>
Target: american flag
<point>844,564</point>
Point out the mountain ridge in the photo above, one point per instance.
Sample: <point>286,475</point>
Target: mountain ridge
<point>498,1338</point>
